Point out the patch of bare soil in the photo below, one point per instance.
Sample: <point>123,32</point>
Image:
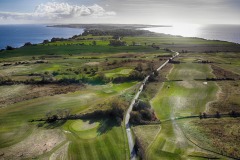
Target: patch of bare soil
<point>228,98</point>
<point>38,143</point>
<point>36,91</point>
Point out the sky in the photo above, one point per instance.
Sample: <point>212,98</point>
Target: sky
<point>162,12</point>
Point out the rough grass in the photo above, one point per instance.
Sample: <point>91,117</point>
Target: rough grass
<point>146,134</point>
<point>228,98</point>
<point>37,143</point>
<point>219,135</point>
<point>13,94</point>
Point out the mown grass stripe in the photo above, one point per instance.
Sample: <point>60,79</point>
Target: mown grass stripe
<point>91,150</point>
<point>82,153</point>
<point>101,149</point>
<point>111,147</point>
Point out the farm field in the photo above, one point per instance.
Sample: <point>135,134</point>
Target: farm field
<point>67,99</point>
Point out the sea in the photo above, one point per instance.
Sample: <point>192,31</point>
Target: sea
<point>18,35</point>
<point>230,33</point>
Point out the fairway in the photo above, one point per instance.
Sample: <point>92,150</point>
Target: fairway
<point>101,142</point>
<point>179,99</point>
<point>82,134</point>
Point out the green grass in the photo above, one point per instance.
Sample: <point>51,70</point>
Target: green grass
<point>177,99</point>
<point>72,49</point>
<point>176,40</point>
<point>109,144</point>
<point>14,118</point>
<point>190,71</point>
<point>146,134</point>
<point>118,72</point>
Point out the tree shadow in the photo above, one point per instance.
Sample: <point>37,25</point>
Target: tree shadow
<point>54,124</point>
<point>104,126</point>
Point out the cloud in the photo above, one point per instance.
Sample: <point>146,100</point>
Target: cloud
<point>56,11</point>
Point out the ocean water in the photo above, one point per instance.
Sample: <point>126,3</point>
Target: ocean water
<point>230,33</point>
<point>18,35</point>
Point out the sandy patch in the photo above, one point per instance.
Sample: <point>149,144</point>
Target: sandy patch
<point>92,63</point>
<point>38,143</point>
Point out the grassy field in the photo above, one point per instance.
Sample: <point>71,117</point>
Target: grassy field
<point>93,67</point>
<point>146,134</point>
<point>72,49</point>
<point>15,127</point>
<point>178,99</point>
<point>118,72</point>
<point>186,97</point>
<point>99,140</point>
<point>164,39</point>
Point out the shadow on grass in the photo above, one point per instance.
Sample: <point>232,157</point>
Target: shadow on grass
<point>104,126</point>
<point>54,124</point>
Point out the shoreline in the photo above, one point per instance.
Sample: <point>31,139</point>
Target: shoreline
<point>16,35</point>
<point>112,27</point>
<point>137,27</point>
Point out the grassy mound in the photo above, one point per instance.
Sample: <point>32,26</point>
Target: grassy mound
<point>84,129</point>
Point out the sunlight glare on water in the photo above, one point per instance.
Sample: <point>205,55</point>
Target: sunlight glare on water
<point>229,33</point>
<point>186,30</point>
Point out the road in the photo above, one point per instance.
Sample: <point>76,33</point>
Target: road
<point>133,155</point>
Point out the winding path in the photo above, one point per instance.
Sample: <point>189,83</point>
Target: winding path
<point>133,155</point>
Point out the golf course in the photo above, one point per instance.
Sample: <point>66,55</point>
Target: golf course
<point>68,98</point>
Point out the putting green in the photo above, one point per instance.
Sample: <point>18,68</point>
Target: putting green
<point>84,129</point>
<point>81,125</point>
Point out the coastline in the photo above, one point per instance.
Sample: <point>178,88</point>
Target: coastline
<point>130,27</point>
<point>17,35</point>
